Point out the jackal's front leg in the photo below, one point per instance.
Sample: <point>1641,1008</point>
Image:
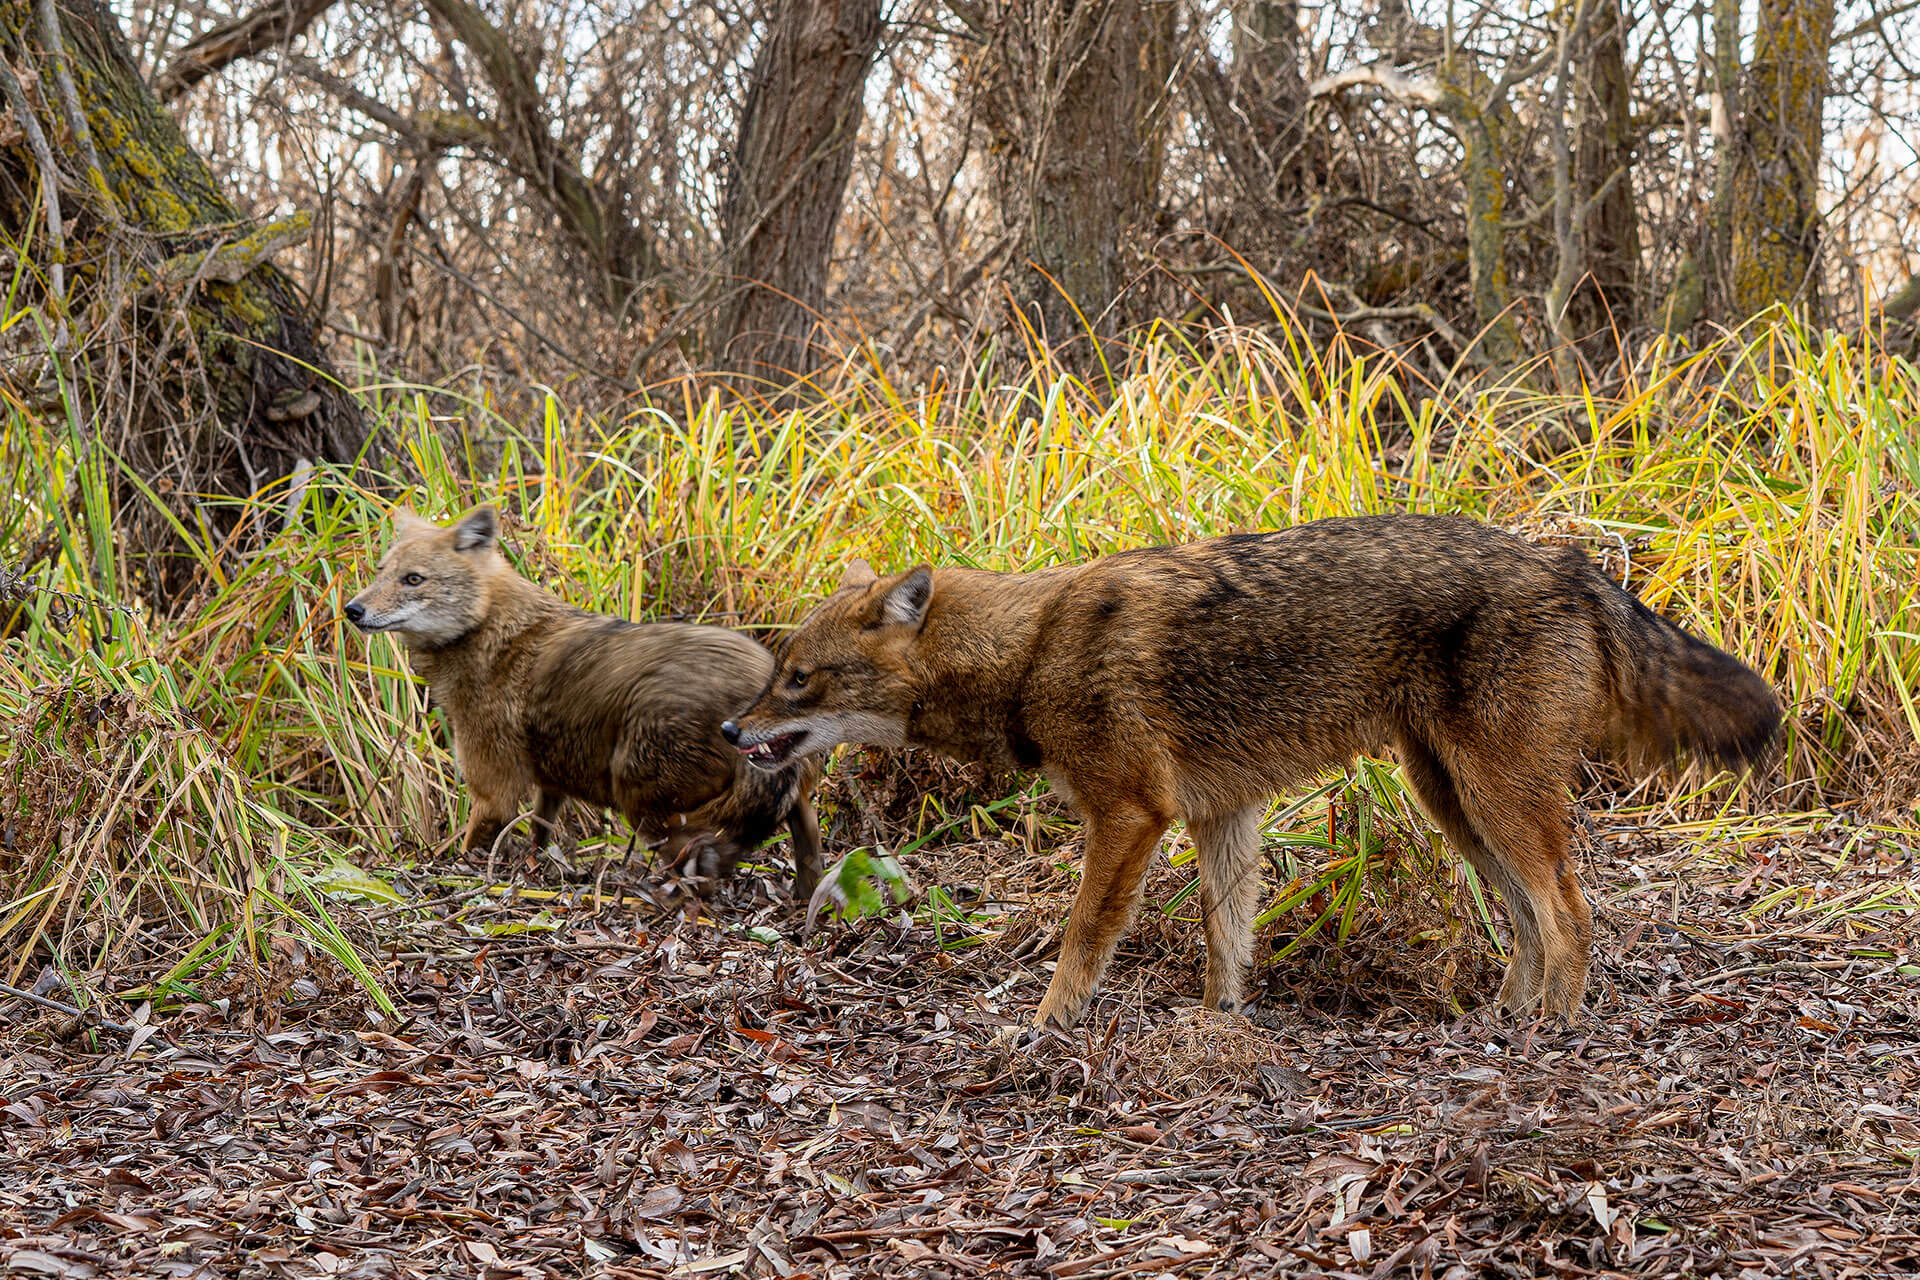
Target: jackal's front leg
<point>1120,841</point>
<point>546,815</point>
<point>491,814</point>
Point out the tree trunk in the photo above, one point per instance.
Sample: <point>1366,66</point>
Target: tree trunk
<point>197,351</point>
<point>1266,54</point>
<point>1482,119</point>
<point>1603,141</point>
<point>1074,99</point>
<point>790,168</point>
<point>1724,125</point>
<point>1776,159</point>
<point>1256,108</point>
<point>1479,117</point>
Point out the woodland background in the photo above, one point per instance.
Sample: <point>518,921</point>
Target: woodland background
<point>605,194</point>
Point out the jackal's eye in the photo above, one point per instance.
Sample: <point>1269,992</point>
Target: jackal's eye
<point>413,580</point>
<point>798,677</point>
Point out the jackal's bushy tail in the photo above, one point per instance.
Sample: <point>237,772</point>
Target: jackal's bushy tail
<point>1674,694</point>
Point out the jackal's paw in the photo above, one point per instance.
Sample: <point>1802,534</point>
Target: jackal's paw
<point>1536,1014</point>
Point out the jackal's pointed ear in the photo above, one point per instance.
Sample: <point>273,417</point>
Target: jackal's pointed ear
<point>907,600</point>
<point>405,521</point>
<point>857,574</point>
<point>478,528</point>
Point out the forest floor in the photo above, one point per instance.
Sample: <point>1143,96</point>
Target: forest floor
<point>662,1091</point>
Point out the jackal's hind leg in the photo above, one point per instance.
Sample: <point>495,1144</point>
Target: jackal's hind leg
<point>1229,849</point>
<point>1522,820</point>
<point>1434,785</point>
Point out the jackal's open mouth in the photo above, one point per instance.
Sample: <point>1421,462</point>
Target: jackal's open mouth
<point>775,751</point>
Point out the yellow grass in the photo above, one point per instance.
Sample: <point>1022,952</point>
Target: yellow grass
<point>1762,492</point>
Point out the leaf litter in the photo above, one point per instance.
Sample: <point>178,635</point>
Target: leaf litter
<point>660,1087</point>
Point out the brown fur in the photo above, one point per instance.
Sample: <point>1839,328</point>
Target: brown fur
<point>549,698</point>
<point>1195,682</point>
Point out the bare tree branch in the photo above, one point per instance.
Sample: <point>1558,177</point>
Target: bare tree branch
<point>1876,22</point>
<point>49,181</point>
<point>1379,76</point>
<point>623,252</point>
<point>273,24</point>
<point>429,131</point>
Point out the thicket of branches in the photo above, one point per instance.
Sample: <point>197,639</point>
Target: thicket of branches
<point>598,184</point>
<point>610,192</point>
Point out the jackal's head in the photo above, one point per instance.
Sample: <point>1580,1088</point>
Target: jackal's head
<point>435,582</point>
<point>845,673</point>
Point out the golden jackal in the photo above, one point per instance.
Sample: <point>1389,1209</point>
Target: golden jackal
<point>1194,682</point>
<point>545,696</point>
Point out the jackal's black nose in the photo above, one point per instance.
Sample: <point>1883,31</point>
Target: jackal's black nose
<point>356,612</point>
<point>730,731</point>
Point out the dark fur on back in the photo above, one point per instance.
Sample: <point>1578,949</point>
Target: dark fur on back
<point>626,716</point>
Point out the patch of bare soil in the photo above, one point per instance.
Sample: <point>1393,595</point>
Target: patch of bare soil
<point>662,1093</point>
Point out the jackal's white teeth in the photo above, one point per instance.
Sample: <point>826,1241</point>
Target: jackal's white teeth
<point>774,751</point>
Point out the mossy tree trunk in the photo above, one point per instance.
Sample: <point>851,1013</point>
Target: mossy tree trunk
<point>1479,116</point>
<point>1725,123</point>
<point>198,355</point>
<point>1482,118</point>
<point>1606,300</point>
<point>1774,201</point>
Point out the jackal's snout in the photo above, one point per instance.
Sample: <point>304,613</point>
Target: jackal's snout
<point>768,748</point>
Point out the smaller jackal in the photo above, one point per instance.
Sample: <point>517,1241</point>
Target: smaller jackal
<point>549,698</point>
<point>1192,683</point>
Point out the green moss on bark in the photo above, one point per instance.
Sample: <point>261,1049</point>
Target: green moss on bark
<point>164,266</point>
<point>1775,190</point>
